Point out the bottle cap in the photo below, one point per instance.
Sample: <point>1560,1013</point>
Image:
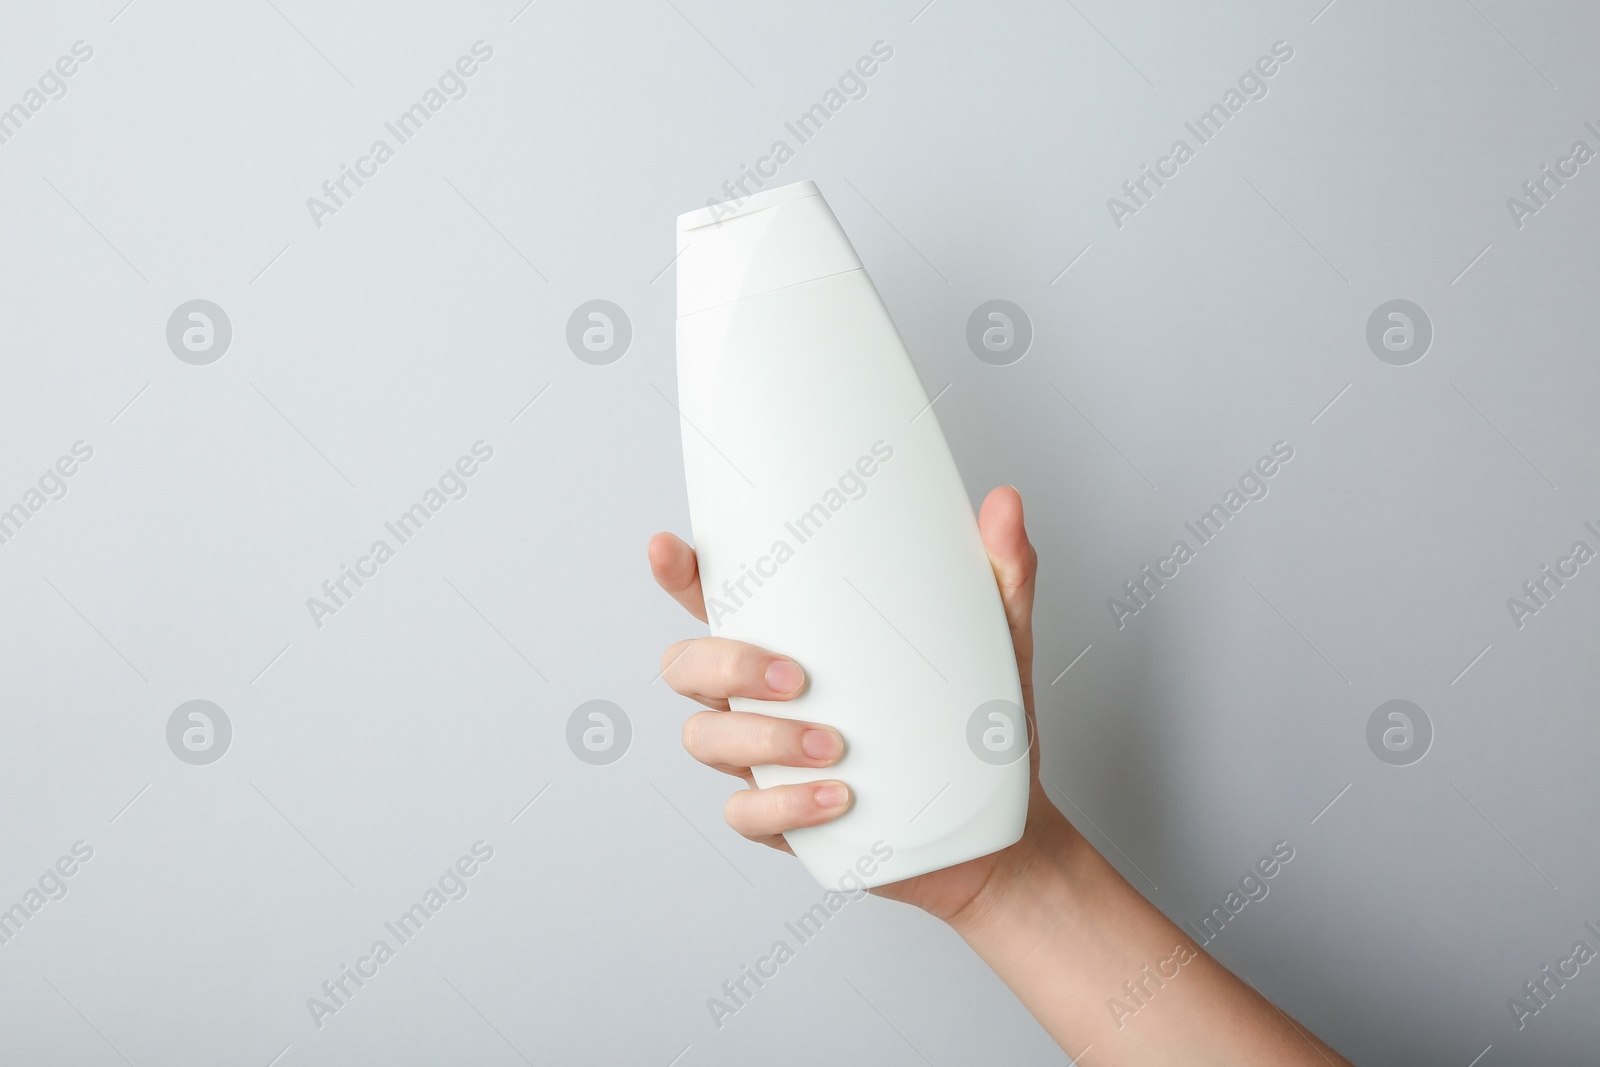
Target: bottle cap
<point>768,240</point>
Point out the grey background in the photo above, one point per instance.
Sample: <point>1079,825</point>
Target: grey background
<point>369,354</point>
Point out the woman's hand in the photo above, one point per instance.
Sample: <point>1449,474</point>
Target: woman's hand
<point>712,669</point>
<point>1055,921</point>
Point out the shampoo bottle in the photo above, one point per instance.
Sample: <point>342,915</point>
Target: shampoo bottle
<point>832,526</point>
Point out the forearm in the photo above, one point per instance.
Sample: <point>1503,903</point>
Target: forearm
<point>1072,939</point>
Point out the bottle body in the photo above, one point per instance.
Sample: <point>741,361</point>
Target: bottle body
<point>831,525</point>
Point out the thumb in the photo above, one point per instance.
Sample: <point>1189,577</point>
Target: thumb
<point>1015,565</point>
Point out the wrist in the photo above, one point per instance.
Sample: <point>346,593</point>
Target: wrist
<point>1036,871</point>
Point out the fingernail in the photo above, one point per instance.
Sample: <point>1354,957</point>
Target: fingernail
<point>832,795</point>
<point>821,744</point>
<point>784,676</point>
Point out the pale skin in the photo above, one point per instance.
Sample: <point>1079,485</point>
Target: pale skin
<point>1049,915</point>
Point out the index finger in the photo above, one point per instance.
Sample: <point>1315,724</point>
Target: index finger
<point>677,570</point>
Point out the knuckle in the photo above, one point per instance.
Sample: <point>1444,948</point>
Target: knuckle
<point>672,655</point>
<point>695,730</point>
<point>736,813</point>
<point>797,803</point>
<point>774,736</point>
<point>1020,578</point>
<point>729,664</point>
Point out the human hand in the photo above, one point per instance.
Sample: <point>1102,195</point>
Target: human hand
<point>712,669</point>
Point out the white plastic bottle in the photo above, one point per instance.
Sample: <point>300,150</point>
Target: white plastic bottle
<point>832,526</point>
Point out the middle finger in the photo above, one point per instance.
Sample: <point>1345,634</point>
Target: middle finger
<point>734,741</point>
<point>712,669</point>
